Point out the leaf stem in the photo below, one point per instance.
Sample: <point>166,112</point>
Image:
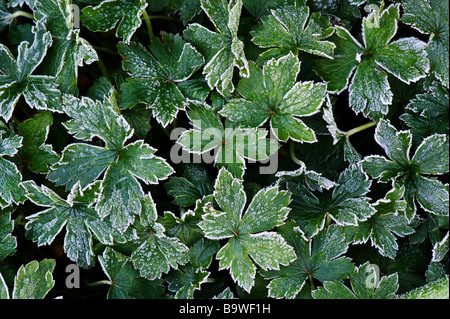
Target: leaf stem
<point>149,25</point>
<point>293,156</point>
<point>22,14</point>
<point>98,283</point>
<point>359,129</point>
<point>311,282</point>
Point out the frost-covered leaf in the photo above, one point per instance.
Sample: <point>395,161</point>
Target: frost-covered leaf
<point>37,155</point>
<point>71,214</point>
<point>230,144</point>
<point>223,50</point>
<point>123,165</point>
<point>365,284</point>
<point>346,204</point>
<point>273,93</point>
<point>125,14</point>
<point>188,189</point>
<point>155,75</point>
<point>68,50</point>
<point>388,220</point>
<point>156,253</point>
<point>429,113</point>
<point>8,242</point>
<point>125,281</point>
<point>250,239</point>
<point>318,258</point>
<point>16,79</point>
<point>430,158</point>
<point>34,280</point>
<point>291,28</point>
<point>431,17</point>
<point>10,177</point>
<point>438,289</point>
<point>369,89</point>
<point>440,249</point>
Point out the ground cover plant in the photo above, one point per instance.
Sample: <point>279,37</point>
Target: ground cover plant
<point>224,149</point>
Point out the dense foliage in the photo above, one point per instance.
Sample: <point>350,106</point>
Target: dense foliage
<point>224,149</point>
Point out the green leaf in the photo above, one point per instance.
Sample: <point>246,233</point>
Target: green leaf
<point>158,73</point>
<point>10,177</point>
<point>71,214</point>
<point>431,17</point>
<point>231,144</point>
<point>338,71</point>
<point>389,220</point>
<point>440,249</point>
<point>38,155</point>
<point>250,240</point>
<point>369,89</point>
<point>278,97</point>
<point>68,51</point>
<point>362,286</point>
<point>125,281</point>
<point>126,15</point>
<point>347,204</point>
<point>123,165</point>
<point>431,157</point>
<point>222,49</point>
<point>434,290</point>
<point>39,91</point>
<point>292,28</point>
<point>188,189</point>
<point>156,253</point>
<point>34,280</point>
<point>8,242</point>
<point>317,258</point>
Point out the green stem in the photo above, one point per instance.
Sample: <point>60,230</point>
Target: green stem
<point>149,25</point>
<point>327,221</point>
<point>98,283</point>
<point>311,281</point>
<point>22,14</point>
<point>293,156</point>
<point>103,69</point>
<point>360,128</point>
<point>160,17</point>
<point>98,48</point>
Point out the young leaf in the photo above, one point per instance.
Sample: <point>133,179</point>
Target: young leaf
<point>16,77</point>
<point>369,89</point>
<point>431,17</point>
<point>431,158</point>
<point>318,258</point>
<point>273,93</point>
<point>250,240</point>
<point>222,49</point>
<point>126,15</point>
<point>155,75</point>
<point>122,165</point>
<point>291,28</point>
<point>231,144</point>
<point>362,286</point>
